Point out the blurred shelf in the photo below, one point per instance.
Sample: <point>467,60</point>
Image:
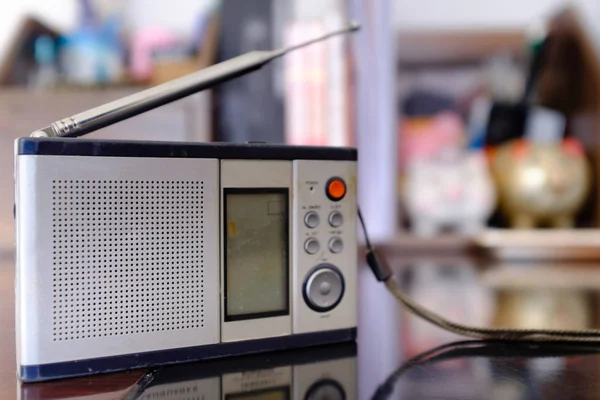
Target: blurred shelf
<point>406,243</point>
<point>555,276</point>
<point>503,244</point>
<point>416,48</point>
<point>541,244</point>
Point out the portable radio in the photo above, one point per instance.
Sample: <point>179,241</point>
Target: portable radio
<point>133,254</point>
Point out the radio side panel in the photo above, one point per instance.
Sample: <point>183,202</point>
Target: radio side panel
<point>333,247</point>
<point>115,255</point>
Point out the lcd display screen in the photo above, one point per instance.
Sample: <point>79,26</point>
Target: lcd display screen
<point>256,253</point>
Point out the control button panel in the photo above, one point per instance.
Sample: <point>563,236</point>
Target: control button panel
<point>336,219</point>
<point>336,245</point>
<point>312,246</point>
<point>324,288</point>
<point>324,234</point>
<point>311,219</point>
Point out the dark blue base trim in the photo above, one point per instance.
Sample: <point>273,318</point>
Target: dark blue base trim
<point>140,148</point>
<point>44,372</point>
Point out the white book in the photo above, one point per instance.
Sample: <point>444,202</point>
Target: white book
<point>337,84</point>
<point>296,108</point>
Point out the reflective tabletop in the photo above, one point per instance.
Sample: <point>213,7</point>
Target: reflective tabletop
<point>395,357</point>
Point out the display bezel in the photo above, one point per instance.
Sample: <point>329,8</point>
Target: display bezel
<point>266,314</point>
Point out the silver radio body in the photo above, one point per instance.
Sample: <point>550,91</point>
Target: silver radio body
<point>133,254</point>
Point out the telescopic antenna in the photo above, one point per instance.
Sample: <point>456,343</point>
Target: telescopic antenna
<point>138,103</point>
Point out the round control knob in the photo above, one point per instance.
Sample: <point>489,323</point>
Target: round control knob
<point>311,246</point>
<point>324,288</point>
<point>336,245</point>
<point>311,219</point>
<point>336,219</point>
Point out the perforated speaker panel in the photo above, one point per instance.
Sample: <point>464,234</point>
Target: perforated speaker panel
<point>116,255</point>
<point>127,257</point>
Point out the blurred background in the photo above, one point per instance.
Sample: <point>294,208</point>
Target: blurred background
<point>477,124</point>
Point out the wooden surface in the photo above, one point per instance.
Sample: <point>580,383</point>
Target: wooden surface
<point>113,386</point>
<point>536,245</point>
<point>541,244</point>
<point>8,380</point>
<point>556,275</point>
<point>443,245</point>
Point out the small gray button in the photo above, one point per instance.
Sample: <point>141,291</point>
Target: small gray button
<point>336,219</point>
<point>336,245</point>
<point>311,246</point>
<point>324,288</point>
<point>311,219</point>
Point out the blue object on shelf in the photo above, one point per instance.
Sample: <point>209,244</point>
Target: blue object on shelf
<point>92,53</point>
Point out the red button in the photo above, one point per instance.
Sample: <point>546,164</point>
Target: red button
<point>336,189</point>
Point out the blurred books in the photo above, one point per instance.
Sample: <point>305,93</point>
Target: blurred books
<point>317,108</point>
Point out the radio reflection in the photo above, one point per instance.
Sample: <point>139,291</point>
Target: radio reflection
<point>309,374</point>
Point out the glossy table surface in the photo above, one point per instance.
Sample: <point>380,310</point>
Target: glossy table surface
<point>394,357</point>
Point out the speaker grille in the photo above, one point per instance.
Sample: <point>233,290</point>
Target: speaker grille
<point>127,257</point>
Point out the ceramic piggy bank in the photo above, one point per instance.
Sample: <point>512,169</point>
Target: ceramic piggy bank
<point>449,192</point>
<point>541,183</point>
<point>426,137</point>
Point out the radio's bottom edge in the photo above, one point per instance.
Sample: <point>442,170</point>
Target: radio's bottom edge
<point>69,369</point>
